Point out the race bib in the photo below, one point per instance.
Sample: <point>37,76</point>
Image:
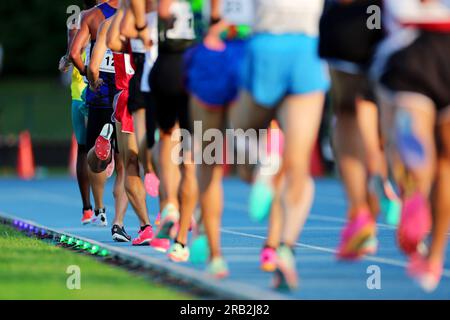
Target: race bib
<point>238,12</point>
<point>107,64</point>
<point>183,27</point>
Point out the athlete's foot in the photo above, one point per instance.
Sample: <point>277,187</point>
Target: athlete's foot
<point>100,217</point>
<point>268,259</point>
<point>415,223</point>
<point>161,245</point>
<point>218,268</point>
<point>370,246</point>
<point>103,142</point>
<point>424,272</point>
<point>168,228</point>
<point>151,183</point>
<point>355,235</point>
<point>262,193</point>
<point>145,236</point>
<point>119,234</point>
<point>87,216</point>
<point>390,203</point>
<point>178,252</point>
<point>285,276</point>
<point>199,250</point>
<point>110,168</point>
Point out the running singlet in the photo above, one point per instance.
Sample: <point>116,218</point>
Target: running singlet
<point>177,33</point>
<point>240,14</point>
<point>78,84</point>
<point>288,16</point>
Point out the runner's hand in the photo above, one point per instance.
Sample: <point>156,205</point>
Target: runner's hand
<point>94,86</point>
<point>64,64</point>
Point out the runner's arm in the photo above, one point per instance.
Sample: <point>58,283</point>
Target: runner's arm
<point>98,53</point>
<point>78,45</point>
<point>113,39</point>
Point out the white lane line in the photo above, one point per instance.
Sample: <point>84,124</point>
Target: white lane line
<point>388,261</point>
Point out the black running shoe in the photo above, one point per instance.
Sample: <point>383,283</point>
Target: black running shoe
<point>119,234</point>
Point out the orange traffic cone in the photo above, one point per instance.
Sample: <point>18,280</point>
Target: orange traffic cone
<point>73,157</point>
<point>25,158</point>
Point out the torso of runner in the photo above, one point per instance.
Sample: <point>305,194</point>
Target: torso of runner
<point>124,70</point>
<point>177,33</point>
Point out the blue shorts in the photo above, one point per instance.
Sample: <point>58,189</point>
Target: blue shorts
<point>213,76</point>
<point>79,121</point>
<point>280,65</point>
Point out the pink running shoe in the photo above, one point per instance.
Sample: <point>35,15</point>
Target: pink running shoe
<point>144,237</point>
<point>415,223</point>
<point>161,245</point>
<point>103,142</point>
<point>110,168</point>
<point>426,274</point>
<point>268,259</point>
<point>151,183</point>
<point>158,219</point>
<point>87,216</point>
<point>355,235</point>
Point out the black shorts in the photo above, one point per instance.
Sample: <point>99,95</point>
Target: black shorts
<point>422,67</point>
<point>169,93</point>
<point>344,34</point>
<point>97,118</point>
<point>137,99</point>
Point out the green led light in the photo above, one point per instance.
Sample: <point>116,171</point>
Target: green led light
<point>103,253</point>
<point>94,249</point>
<point>86,246</point>
<point>70,241</point>
<point>79,243</point>
<point>63,238</point>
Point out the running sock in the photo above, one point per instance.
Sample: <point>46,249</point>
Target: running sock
<point>87,208</point>
<point>143,227</point>
<point>180,243</point>
<point>98,211</point>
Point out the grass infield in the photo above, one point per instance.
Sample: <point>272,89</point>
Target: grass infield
<point>33,269</point>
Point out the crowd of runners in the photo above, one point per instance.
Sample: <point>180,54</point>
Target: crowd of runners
<point>146,74</point>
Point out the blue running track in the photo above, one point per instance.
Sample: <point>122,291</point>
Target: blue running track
<point>55,203</point>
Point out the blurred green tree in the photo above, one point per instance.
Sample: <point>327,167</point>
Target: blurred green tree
<point>33,35</point>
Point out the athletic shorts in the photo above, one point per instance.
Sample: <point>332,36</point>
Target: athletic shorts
<point>346,88</point>
<point>121,113</point>
<point>214,76</point>
<point>79,121</point>
<point>97,118</point>
<point>137,99</point>
<point>169,93</point>
<point>279,65</point>
<point>423,67</point>
<point>104,96</point>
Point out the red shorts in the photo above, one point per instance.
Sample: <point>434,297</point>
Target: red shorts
<point>121,113</point>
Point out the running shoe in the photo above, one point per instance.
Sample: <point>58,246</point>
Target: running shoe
<point>144,237</point>
<point>119,234</point>
<point>87,216</point>
<point>370,246</point>
<point>169,223</point>
<point>158,219</point>
<point>178,253</point>
<point>161,245</point>
<point>100,217</point>
<point>218,268</point>
<point>151,183</point>
<point>425,273</point>
<point>355,235</point>
<point>390,203</point>
<point>415,223</point>
<point>110,168</point>
<point>410,148</point>
<point>103,142</point>
<point>285,276</point>
<point>199,250</point>
<point>268,259</point>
